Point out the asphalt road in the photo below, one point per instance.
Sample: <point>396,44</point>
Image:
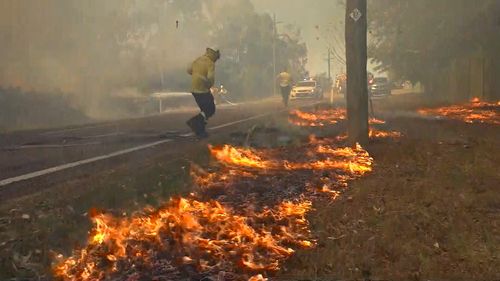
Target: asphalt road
<point>32,160</point>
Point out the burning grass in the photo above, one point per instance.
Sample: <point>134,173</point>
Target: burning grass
<point>321,118</point>
<point>474,112</point>
<point>428,212</point>
<point>374,133</point>
<point>318,118</point>
<point>245,218</point>
<point>331,116</point>
<point>375,121</point>
<point>206,236</point>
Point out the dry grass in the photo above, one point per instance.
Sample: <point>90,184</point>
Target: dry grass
<point>430,211</point>
<point>34,228</point>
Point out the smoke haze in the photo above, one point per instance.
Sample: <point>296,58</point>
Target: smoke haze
<point>95,52</point>
<point>319,21</point>
<point>94,49</point>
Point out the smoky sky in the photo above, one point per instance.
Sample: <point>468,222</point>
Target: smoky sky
<point>93,49</point>
<point>318,20</point>
<point>322,25</point>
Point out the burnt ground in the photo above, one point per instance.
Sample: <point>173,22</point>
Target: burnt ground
<point>429,210</point>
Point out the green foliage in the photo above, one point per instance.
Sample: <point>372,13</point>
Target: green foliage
<point>246,41</point>
<point>417,40</point>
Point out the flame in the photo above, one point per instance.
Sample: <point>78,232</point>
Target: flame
<point>258,277</point>
<point>317,119</point>
<point>203,233</point>
<point>234,232</point>
<point>375,121</point>
<point>355,160</point>
<point>322,117</point>
<point>476,111</point>
<point>374,133</point>
<point>321,156</point>
<point>240,157</point>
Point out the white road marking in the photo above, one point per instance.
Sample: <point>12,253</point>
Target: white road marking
<point>51,145</point>
<point>51,170</point>
<point>78,163</point>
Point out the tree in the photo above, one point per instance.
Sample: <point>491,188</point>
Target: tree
<point>423,40</point>
<point>95,50</point>
<point>245,38</point>
<point>356,55</point>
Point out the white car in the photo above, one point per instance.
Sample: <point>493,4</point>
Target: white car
<point>306,89</point>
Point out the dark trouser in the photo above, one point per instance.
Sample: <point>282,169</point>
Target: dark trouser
<point>285,94</point>
<point>206,104</point>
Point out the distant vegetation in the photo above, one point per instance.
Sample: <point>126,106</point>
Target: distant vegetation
<point>91,51</point>
<point>451,46</point>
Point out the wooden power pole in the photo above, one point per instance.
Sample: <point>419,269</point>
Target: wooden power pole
<point>356,55</point>
<point>329,64</point>
<point>274,54</point>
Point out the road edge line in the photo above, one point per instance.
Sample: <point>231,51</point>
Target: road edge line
<point>5,182</point>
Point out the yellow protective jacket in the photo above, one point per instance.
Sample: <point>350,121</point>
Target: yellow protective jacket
<point>284,79</point>
<point>202,72</point>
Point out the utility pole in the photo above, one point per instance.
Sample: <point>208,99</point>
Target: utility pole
<point>329,64</point>
<point>330,75</point>
<point>356,56</point>
<point>274,54</point>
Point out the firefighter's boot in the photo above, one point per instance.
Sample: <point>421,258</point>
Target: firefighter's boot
<point>197,124</point>
<point>203,133</point>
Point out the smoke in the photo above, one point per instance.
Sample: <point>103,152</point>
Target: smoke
<point>321,22</point>
<point>94,50</point>
<point>102,54</point>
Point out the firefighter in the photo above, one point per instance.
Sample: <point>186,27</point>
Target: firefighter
<point>202,71</point>
<point>285,82</point>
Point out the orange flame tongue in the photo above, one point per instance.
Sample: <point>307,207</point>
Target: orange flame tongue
<point>318,118</point>
<point>211,236</point>
<point>476,111</point>
<point>374,121</point>
<point>240,157</point>
<point>322,117</point>
<point>203,233</point>
<point>373,133</point>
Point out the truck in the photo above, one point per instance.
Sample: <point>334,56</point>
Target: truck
<point>306,89</point>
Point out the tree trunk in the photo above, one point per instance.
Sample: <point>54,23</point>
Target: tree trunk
<point>357,88</point>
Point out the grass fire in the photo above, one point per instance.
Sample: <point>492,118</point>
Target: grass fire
<point>233,232</point>
<point>249,140</point>
<point>318,118</point>
<point>332,116</point>
<point>476,111</point>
